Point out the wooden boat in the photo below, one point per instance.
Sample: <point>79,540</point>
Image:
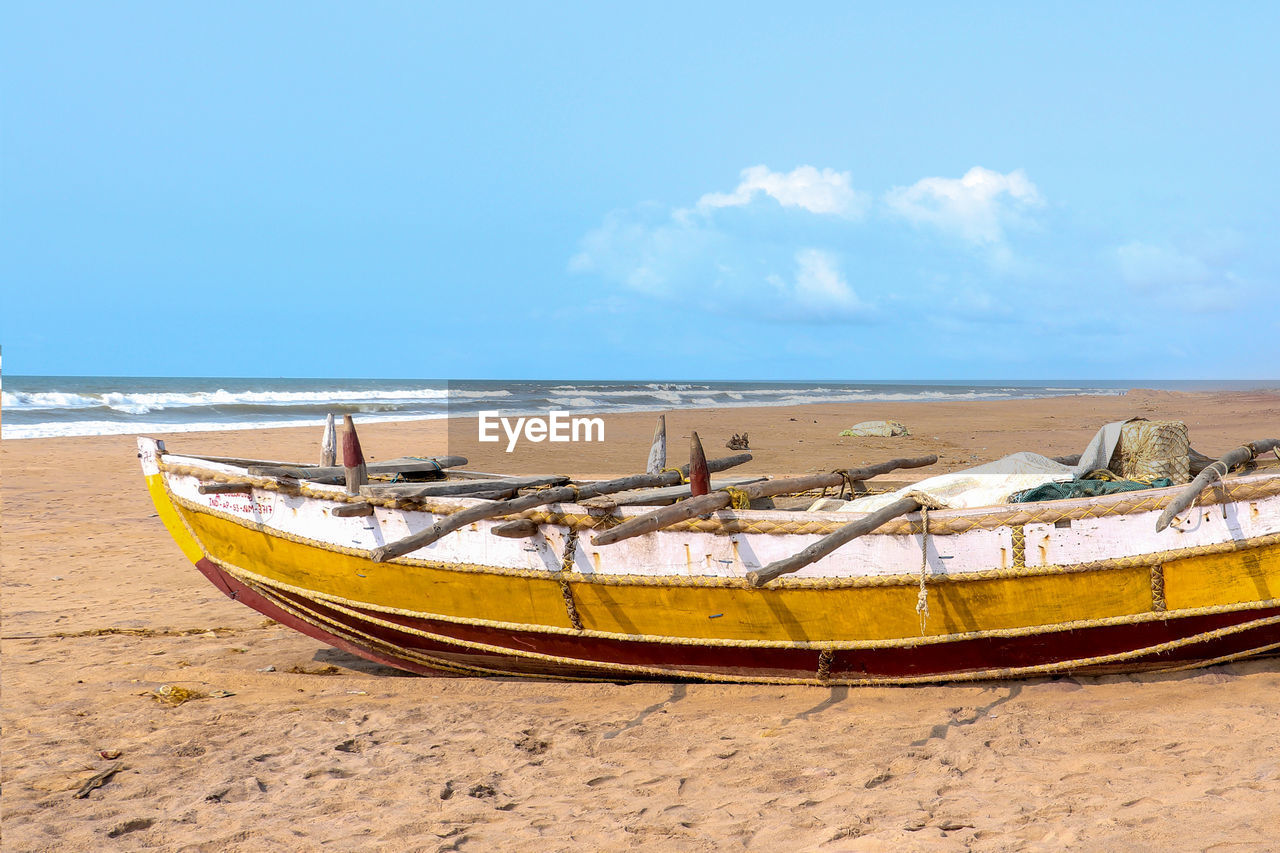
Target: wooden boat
<point>555,583</point>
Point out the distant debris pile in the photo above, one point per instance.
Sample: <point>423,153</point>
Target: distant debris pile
<point>738,442</point>
<point>886,429</point>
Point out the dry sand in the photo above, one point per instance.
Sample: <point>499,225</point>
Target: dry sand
<point>330,752</point>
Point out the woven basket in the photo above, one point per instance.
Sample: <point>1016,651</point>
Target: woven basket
<point>1149,450</point>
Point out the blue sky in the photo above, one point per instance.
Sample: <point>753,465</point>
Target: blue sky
<point>718,191</point>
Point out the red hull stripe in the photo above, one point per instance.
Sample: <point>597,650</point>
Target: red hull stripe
<point>404,649</point>
<point>237,591</point>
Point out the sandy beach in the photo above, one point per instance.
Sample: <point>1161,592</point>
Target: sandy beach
<point>316,749</point>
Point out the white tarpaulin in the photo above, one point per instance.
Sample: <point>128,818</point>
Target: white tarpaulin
<point>1101,448</point>
<point>984,485</point>
<point>992,483</point>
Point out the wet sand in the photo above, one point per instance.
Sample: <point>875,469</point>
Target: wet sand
<point>329,752</point>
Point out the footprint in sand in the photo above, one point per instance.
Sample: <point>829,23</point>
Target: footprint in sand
<point>128,826</point>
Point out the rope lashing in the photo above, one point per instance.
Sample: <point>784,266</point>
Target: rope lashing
<point>546,486</point>
<point>847,485</point>
<point>1157,588</point>
<point>1125,504</point>
<point>570,545</point>
<point>566,565</point>
<point>824,664</point>
<point>738,499</point>
<point>1220,471</point>
<point>922,599</point>
<point>439,468</point>
<point>677,472</point>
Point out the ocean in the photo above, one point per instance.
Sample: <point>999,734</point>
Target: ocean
<point>45,406</point>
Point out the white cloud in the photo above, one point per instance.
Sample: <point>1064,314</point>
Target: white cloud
<point>819,290</point>
<point>776,266</point>
<point>1182,279</point>
<point>1144,265</point>
<point>826,191</point>
<point>647,250</point>
<point>976,207</point>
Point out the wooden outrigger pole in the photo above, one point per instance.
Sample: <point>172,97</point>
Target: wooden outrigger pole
<point>461,519</point>
<point>717,500</point>
<point>1214,471</point>
<point>832,541</point>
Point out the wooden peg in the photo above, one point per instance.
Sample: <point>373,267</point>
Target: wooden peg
<point>353,457</point>
<point>658,451</point>
<point>329,444</point>
<point>699,476</point>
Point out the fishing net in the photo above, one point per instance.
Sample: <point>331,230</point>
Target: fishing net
<point>1152,450</point>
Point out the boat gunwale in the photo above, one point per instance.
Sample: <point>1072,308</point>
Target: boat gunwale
<point>992,516</point>
<point>254,579</point>
<point>826,581</point>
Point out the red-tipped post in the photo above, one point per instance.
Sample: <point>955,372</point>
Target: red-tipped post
<point>353,457</point>
<point>699,476</point>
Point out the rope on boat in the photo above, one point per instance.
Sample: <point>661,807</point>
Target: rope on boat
<point>847,485</point>
<point>256,580</point>
<point>738,499</point>
<point>922,600</point>
<point>953,523</point>
<point>439,468</point>
<point>1219,470</point>
<point>824,664</point>
<point>1143,561</point>
<point>1157,587</point>
<point>566,566</point>
<point>1055,667</point>
<point>1130,503</point>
